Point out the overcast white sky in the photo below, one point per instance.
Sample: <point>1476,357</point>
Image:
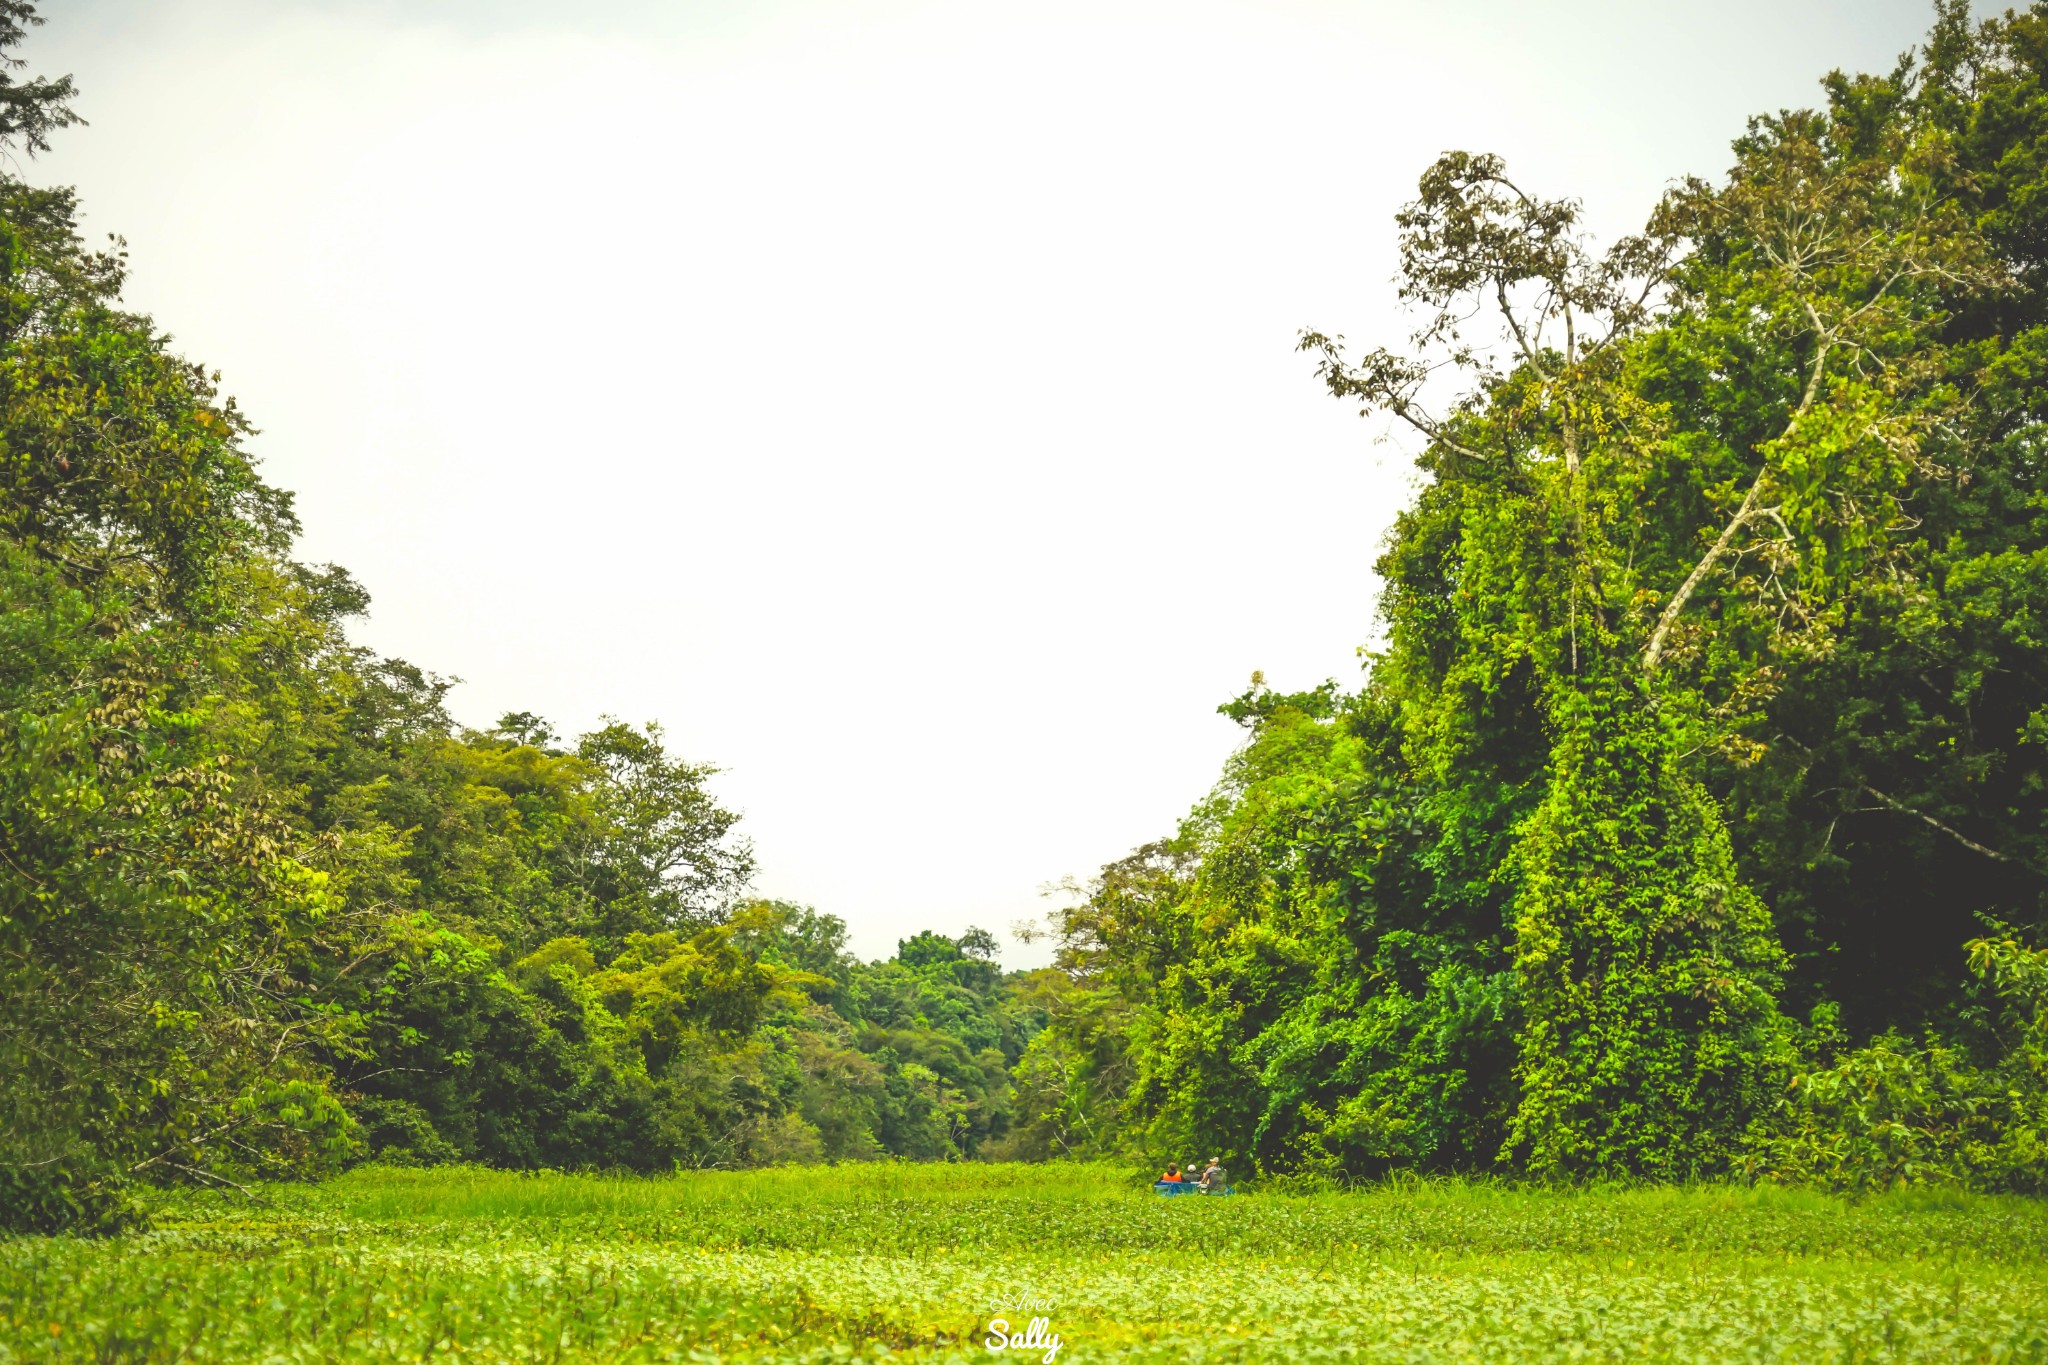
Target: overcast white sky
<point>897,400</point>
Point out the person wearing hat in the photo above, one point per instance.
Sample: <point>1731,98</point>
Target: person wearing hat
<point>1213,1180</point>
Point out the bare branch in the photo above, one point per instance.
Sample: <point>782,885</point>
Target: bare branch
<point>1654,651</point>
<point>1965,840</point>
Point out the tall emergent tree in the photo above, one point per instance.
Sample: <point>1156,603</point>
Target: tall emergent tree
<point>1708,727</point>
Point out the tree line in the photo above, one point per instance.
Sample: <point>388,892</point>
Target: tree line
<point>266,909</point>
<point>1691,819</point>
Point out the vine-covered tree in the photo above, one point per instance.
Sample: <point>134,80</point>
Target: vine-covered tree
<point>1708,727</point>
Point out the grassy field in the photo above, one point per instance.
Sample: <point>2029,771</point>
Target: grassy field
<point>912,1262</point>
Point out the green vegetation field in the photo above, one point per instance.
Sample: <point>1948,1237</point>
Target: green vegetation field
<point>892,1261</point>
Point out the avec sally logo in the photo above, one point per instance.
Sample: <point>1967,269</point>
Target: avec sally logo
<point>1036,1334</point>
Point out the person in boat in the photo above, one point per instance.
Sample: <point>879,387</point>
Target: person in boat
<point>1213,1180</point>
<point>1173,1175</point>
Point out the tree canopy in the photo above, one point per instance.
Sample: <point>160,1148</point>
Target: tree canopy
<point>1691,819</point>
<point>1705,741</point>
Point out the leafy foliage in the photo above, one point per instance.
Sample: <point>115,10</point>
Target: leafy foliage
<point>1711,696</point>
<point>265,908</point>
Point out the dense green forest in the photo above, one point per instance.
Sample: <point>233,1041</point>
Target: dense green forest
<point>264,908</point>
<point>1691,819</point>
